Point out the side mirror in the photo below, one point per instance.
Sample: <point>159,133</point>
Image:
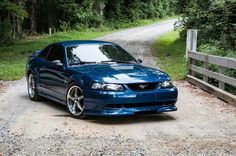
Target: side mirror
<point>57,63</point>
<point>139,60</point>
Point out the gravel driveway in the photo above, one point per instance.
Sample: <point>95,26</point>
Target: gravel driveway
<point>203,124</point>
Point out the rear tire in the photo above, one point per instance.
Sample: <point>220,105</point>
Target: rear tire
<point>32,88</point>
<point>75,101</point>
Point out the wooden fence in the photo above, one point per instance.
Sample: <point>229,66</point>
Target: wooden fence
<point>199,72</point>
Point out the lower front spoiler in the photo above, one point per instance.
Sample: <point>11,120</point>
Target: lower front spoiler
<point>130,111</point>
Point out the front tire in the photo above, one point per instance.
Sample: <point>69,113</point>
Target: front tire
<point>75,101</point>
<point>32,88</point>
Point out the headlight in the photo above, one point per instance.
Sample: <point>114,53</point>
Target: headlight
<point>166,84</point>
<point>107,86</point>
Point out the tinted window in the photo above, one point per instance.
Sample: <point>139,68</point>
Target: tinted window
<point>56,53</point>
<point>44,53</point>
<point>97,53</point>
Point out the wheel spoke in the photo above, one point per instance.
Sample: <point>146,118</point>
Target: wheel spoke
<point>79,106</point>
<point>71,98</point>
<point>74,107</point>
<point>33,84</point>
<point>80,98</point>
<point>76,92</point>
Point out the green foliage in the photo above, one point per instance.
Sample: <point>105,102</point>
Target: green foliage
<point>11,16</point>
<point>13,58</point>
<point>126,11</point>
<point>5,32</point>
<point>17,9</point>
<point>66,15</point>
<point>170,51</point>
<point>215,20</point>
<point>63,26</point>
<point>214,49</point>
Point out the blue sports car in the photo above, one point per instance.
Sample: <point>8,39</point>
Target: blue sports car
<point>98,78</point>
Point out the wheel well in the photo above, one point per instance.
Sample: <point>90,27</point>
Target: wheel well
<point>75,82</point>
<point>72,81</point>
<point>28,72</point>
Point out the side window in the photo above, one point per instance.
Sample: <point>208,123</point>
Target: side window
<point>56,53</point>
<point>71,54</point>
<point>44,53</point>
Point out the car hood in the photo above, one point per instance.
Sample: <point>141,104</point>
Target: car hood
<point>120,73</point>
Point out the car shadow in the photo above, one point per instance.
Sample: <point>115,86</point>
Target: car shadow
<point>48,103</point>
<point>137,118</point>
<point>108,120</point>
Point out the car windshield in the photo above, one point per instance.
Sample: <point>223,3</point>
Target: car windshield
<point>93,53</point>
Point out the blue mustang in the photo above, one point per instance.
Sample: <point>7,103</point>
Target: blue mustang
<point>98,78</point>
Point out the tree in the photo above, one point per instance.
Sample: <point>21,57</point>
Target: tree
<point>12,14</point>
<point>36,16</point>
<point>31,5</point>
<point>214,20</point>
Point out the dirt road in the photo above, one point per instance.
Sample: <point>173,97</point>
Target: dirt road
<point>203,124</point>
<point>138,40</point>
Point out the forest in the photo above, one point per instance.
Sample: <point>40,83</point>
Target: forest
<point>20,18</point>
<point>28,17</point>
<point>215,21</point>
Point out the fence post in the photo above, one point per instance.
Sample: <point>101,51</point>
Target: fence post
<point>191,45</point>
<point>221,71</point>
<point>50,31</point>
<point>191,41</point>
<point>205,66</point>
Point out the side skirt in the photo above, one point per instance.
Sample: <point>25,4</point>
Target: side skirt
<point>53,98</point>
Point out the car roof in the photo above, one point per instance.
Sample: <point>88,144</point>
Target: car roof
<point>77,42</point>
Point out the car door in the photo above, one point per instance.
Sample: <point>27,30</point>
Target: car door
<point>41,63</point>
<point>53,77</point>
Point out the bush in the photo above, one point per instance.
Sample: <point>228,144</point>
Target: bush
<point>215,49</point>
<point>215,21</point>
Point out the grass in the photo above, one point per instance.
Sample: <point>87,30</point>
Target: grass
<point>13,58</point>
<point>170,53</point>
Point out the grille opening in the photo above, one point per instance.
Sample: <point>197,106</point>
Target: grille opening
<point>133,105</point>
<point>142,86</point>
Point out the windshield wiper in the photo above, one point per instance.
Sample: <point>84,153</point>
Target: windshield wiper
<point>117,61</point>
<point>79,63</point>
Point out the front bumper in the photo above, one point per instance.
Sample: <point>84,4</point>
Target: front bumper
<point>109,103</point>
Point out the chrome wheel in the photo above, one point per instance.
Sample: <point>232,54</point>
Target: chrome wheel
<point>75,100</point>
<point>31,86</point>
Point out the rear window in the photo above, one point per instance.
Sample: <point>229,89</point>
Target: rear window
<point>44,53</point>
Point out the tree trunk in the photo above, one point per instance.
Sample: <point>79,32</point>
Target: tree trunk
<point>13,26</point>
<point>32,27</point>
